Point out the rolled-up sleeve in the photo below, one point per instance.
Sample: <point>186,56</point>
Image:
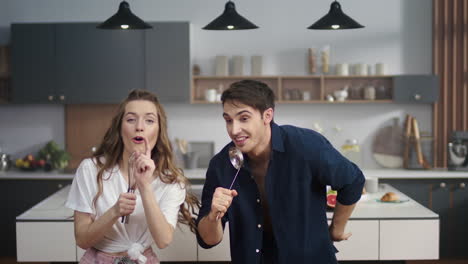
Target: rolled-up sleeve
<point>341,174</point>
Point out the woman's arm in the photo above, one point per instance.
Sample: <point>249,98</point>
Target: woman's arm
<point>160,229</point>
<point>89,231</point>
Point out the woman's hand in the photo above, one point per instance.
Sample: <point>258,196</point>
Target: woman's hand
<point>143,167</point>
<point>125,205</point>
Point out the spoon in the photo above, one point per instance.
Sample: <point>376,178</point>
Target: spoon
<point>237,160</point>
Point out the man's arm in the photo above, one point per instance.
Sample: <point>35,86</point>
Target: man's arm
<point>210,228</point>
<point>341,214</point>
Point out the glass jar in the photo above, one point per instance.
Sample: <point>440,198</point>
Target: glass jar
<point>352,151</point>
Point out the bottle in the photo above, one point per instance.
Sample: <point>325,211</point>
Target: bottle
<point>352,151</point>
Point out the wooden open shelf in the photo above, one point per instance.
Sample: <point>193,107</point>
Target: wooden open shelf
<point>300,89</point>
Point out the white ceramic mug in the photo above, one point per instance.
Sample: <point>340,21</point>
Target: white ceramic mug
<point>210,95</point>
<point>372,185</point>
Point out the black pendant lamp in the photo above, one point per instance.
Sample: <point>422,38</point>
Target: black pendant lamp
<point>230,20</point>
<point>124,19</point>
<point>335,19</point>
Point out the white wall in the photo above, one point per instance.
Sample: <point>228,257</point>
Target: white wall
<point>397,32</point>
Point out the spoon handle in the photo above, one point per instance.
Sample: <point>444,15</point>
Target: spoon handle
<point>230,187</point>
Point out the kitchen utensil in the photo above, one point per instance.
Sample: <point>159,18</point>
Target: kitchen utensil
<point>237,160</point>
<point>131,185</point>
<point>5,162</point>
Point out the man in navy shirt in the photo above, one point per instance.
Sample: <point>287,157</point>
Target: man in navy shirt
<point>276,209</point>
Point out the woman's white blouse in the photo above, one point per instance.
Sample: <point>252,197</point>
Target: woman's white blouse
<point>122,236</point>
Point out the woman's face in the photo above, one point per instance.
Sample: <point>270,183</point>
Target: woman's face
<point>140,126</point>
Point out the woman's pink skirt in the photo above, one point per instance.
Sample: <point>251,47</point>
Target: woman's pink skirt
<point>94,256</point>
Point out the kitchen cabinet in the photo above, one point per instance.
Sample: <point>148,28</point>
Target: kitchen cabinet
<point>364,244</point>
<point>46,241</point>
<point>98,66</point>
<point>17,197</point>
<point>33,63</point>
<point>316,89</point>
<point>449,199</point>
<point>221,252</point>
<point>416,88</point>
<point>167,61</point>
<point>183,239</point>
<point>75,63</point>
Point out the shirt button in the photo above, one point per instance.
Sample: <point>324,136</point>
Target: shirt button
<point>257,250</point>
<point>259,225</point>
<point>258,200</point>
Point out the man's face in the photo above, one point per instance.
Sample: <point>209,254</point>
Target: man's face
<point>246,126</point>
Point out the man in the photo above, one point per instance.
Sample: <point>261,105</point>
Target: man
<point>277,206</point>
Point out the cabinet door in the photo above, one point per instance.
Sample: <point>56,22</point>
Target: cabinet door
<point>182,248</point>
<point>363,244</point>
<point>98,66</point>
<point>416,89</point>
<point>167,48</point>
<point>409,239</point>
<point>458,217</point>
<point>45,241</point>
<point>220,252</point>
<point>17,197</point>
<point>33,63</point>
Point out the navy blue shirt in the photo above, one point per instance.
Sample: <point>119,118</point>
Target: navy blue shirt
<point>302,163</point>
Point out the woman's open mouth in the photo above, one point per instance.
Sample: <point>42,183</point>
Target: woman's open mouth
<point>138,140</point>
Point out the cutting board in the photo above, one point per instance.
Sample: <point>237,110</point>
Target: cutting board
<point>388,144</point>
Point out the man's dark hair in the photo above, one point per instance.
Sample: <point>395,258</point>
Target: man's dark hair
<point>255,94</point>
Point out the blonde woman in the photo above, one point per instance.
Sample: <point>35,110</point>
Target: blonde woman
<point>99,191</point>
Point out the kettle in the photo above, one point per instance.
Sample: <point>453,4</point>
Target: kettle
<point>5,162</point>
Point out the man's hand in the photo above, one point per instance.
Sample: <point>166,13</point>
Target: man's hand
<point>222,200</point>
<point>338,234</point>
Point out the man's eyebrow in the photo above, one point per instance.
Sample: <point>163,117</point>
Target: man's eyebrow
<point>239,113</point>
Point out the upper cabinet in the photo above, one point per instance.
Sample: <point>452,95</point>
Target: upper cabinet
<point>167,60</point>
<point>98,66</point>
<point>75,63</point>
<point>33,63</point>
<point>328,88</point>
<point>416,88</point>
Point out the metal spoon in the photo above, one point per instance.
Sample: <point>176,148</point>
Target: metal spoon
<point>237,160</point>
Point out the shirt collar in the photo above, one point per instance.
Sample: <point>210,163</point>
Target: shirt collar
<point>276,138</point>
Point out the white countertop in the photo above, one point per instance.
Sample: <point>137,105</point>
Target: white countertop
<point>53,208</point>
<point>199,174</point>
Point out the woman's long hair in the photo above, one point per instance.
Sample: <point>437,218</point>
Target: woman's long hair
<point>111,149</point>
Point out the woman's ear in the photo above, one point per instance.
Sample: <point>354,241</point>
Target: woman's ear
<point>268,116</point>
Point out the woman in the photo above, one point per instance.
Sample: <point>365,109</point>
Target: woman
<point>99,191</point>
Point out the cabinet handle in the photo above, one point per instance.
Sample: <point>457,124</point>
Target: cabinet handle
<point>93,149</point>
<point>417,97</point>
<point>59,186</point>
<point>50,97</point>
<point>62,97</point>
<point>443,185</point>
<point>462,185</point>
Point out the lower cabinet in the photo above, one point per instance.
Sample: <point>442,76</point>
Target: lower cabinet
<point>183,239</point>
<point>45,241</point>
<point>409,239</point>
<point>364,242</point>
<point>220,252</point>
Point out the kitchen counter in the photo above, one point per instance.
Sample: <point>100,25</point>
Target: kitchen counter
<point>53,208</point>
<point>199,174</point>
<point>381,231</point>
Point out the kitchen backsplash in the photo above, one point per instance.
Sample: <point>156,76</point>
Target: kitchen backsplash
<point>26,128</point>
